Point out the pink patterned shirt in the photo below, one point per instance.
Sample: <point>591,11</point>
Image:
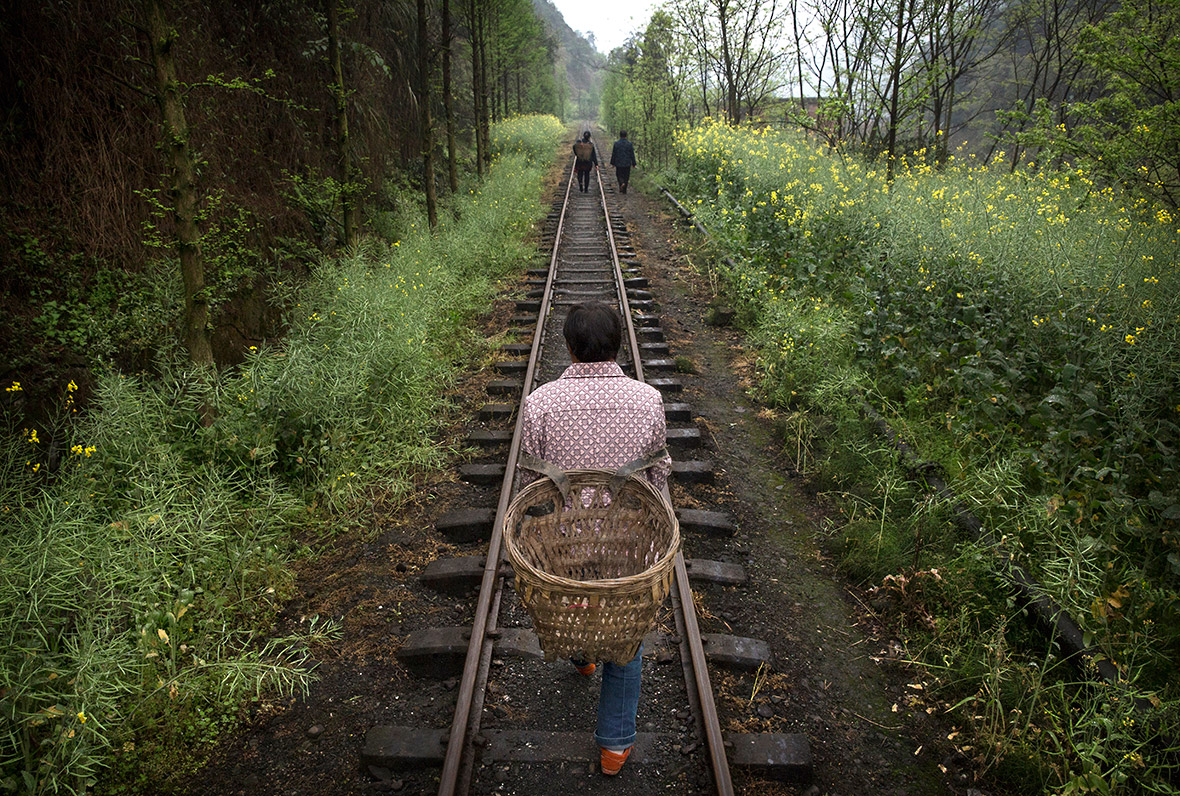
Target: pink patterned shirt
<point>595,417</point>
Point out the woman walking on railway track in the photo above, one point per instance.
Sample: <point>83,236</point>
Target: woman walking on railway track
<point>622,157</point>
<point>584,158</point>
<point>594,416</point>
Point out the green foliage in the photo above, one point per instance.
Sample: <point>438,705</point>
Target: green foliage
<point>801,340</point>
<point>347,406</point>
<point>1020,329</point>
<point>253,85</point>
<point>138,569</point>
<point>119,578</point>
<point>644,89</point>
<point>229,243</point>
<point>1130,134</point>
<point>112,313</point>
<point>578,77</point>
<point>230,248</point>
<point>81,304</point>
<point>524,55</point>
<point>395,206</point>
<point>531,137</point>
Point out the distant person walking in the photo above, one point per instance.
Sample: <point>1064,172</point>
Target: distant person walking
<point>622,157</point>
<point>584,158</point>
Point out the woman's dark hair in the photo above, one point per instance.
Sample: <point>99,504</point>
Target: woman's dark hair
<point>593,331</point>
<point>622,133</point>
<point>586,136</point>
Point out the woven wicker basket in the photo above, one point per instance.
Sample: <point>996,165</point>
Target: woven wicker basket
<point>592,570</point>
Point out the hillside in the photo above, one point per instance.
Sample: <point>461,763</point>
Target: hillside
<point>583,64</point>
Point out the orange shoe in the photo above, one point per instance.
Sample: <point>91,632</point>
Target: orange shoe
<point>586,670</point>
<point>612,762</point>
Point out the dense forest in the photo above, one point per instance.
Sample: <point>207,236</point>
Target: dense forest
<point>172,157</point>
<point>179,183</point>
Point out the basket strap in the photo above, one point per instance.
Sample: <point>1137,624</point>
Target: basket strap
<point>631,468</point>
<point>550,471</point>
<point>562,481</point>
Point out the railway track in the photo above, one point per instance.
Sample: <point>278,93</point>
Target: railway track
<point>518,721</point>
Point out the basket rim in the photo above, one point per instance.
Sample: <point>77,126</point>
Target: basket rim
<point>640,581</point>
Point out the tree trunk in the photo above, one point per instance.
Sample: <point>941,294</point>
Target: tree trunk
<point>476,82</point>
<point>840,123</point>
<point>485,130</point>
<point>448,38</point>
<point>340,121</point>
<point>732,109</point>
<point>798,52</point>
<point>945,126</point>
<point>704,88</point>
<point>194,328</point>
<point>895,90</point>
<point>491,81</point>
<point>424,117</point>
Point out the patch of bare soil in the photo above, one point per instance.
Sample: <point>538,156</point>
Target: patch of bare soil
<point>837,678</point>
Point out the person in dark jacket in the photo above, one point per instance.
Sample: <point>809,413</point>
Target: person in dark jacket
<point>622,157</point>
<point>585,157</point>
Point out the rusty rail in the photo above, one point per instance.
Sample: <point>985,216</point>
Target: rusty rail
<point>458,761</point>
<point>489,589</point>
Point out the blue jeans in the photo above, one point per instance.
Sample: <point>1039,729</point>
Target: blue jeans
<point>618,702</point>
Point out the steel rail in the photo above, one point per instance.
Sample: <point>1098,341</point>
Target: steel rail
<point>621,289</point>
<point>457,741</point>
<point>704,689</point>
<point>687,608</point>
<point>455,778</point>
<point>467,754</point>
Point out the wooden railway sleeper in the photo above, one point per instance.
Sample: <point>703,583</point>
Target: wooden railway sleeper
<point>413,747</point>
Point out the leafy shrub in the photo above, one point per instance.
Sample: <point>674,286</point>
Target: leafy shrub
<point>113,313</point>
<point>801,340</point>
<point>120,576</point>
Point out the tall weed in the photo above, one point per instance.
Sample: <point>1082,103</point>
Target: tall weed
<point>1020,328</point>
<point>118,578</point>
<point>145,548</point>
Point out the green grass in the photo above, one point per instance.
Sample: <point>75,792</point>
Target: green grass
<point>143,558</point>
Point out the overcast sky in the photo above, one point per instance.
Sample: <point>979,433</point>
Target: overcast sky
<point>611,21</point>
